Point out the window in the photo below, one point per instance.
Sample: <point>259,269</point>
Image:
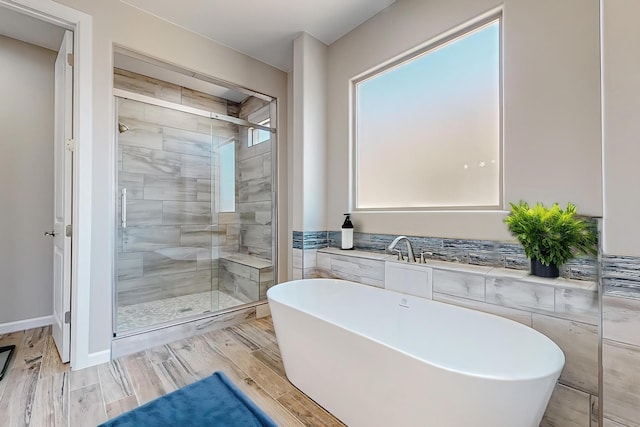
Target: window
<point>428,128</point>
<point>227,201</point>
<point>257,136</point>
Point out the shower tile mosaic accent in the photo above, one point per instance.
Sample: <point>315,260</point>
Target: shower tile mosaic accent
<point>476,252</point>
<point>621,275</point>
<point>298,240</point>
<point>309,239</point>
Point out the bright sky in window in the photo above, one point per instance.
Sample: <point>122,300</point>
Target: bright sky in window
<point>434,122</point>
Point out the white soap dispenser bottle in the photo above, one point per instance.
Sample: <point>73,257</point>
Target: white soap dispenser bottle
<point>347,233</point>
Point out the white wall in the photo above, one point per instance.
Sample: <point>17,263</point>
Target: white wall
<point>621,108</point>
<point>296,146</point>
<point>309,142</point>
<point>26,173</point>
<point>117,23</point>
<point>552,138</point>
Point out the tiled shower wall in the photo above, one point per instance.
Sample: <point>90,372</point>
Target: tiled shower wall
<point>254,179</point>
<point>171,243</point>
<point>174,239</point>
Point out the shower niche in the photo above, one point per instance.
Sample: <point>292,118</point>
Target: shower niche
<point>195,201</point>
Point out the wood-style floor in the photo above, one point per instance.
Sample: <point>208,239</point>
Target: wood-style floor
<point>41,391</point>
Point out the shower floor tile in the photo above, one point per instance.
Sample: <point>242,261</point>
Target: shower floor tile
<point>146,314</point>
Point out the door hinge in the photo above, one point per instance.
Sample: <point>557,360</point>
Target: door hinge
<point>70,59</point>
<point>68,230</point>
<point>67,317</point>
<point>70,144</point>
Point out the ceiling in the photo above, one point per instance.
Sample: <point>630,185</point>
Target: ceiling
<point>30,30</point>
<point>265,29</point>
<point>262,29</point>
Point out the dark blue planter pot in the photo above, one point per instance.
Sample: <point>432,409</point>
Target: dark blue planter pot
<point>541,270</point>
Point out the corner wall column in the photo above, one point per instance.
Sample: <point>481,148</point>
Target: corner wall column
<point>309,153</point>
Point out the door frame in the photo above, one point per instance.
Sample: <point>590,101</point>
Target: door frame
<point>81,24</point>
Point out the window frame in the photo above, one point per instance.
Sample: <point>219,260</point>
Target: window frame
<point>406,57</point>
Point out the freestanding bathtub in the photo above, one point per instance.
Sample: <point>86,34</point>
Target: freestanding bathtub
<point>374,357</point>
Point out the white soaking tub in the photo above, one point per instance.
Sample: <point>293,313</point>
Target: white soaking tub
<point>374,357</point>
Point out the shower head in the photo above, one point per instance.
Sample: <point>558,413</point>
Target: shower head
<point>122,127</point>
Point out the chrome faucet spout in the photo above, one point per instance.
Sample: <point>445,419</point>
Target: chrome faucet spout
<point>410,256</point>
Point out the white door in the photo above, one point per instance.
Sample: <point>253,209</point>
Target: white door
<point>62,197</point>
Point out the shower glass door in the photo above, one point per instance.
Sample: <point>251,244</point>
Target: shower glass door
<point>194,210</point>
<point>165,222</point>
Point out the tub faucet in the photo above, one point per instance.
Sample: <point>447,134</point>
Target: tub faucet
<point>410,256</point>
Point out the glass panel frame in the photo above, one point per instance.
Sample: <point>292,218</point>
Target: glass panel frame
<point>164,159</point>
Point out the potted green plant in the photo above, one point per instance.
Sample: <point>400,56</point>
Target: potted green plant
<point>550,236</point>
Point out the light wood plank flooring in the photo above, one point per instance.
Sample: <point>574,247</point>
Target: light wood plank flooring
<point>41,391</point>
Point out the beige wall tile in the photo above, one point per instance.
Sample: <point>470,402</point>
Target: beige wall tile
<point>192,98</point>
<point>568,407</point>
<point>621,382</point>
<point>621,319</point>
<point>144,85</point>
<point>309,258</point>
<point>510,313</point>
<point>263,311</point>
<point>523,295</point>
<point>459,284</point>
<point>342,265</point>
<point>578,304</point>
<point>297,258</point>
<point>579,342</point>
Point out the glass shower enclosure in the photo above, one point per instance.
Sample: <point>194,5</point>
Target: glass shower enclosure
<point>195,209</point>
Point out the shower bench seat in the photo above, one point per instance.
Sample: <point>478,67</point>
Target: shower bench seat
<point>246,277</point>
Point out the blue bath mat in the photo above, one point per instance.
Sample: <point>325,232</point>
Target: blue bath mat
<point>212,401</point>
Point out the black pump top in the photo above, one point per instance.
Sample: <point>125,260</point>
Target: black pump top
<point>347,222</point>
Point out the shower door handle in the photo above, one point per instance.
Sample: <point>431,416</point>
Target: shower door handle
<point>123,197</point>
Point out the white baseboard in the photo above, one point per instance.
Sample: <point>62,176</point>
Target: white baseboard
<point>21,325</point>
<point>98,358</point>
